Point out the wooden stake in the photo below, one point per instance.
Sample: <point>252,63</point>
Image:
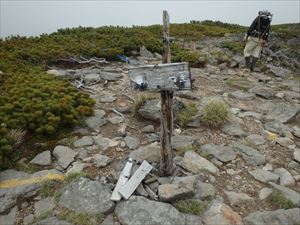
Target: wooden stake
<point>166,128</point>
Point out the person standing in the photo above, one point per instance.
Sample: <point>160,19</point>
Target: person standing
<point>256,38</point>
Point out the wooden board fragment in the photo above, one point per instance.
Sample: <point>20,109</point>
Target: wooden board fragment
<point>161,77</point>
<point>115,196</point>
<point>129,187</point>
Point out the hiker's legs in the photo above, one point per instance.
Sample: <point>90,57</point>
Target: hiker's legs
<point>255,55</point>
<point>250,45</point>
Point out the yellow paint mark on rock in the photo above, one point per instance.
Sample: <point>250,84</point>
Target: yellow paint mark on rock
<point>18,182</point>
<point>272,136</point>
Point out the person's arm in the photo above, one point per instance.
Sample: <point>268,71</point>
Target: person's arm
<point>266,33</point>
<point>252,26</point>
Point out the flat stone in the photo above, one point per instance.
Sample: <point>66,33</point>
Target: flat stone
<point>264,193</point>
<point>196,164</point>
<point>222,153</point>
<point>181,141</point>
<point>268,167</point>
<point>28,219</point>
<point>280,71</point>
<point>188,95</point>
<point>102,142</point>
<point>96,121</point>
<point>255,115</point>
<point>287,193</point>
<point>278,128</point>
<point>150,153</point>
<point>109,220</point>
<point>280,217</point>
<point>84,141</point>
<point>87,196</point>
<point>109,76</point>
<point>151,110</point>
<point>131,142</point>
<point>10,218</point>
<point>283,112</point>
<point>233,129</point>
<point>140,190</point>
<point>148,129</point>
<point>182,187</point>
<point>297,154</point>
<point>116,119</point>
<point>52,221</point>
<point>147,212</point>
<point>42,159</point>
<point>264,92</point>
<point>235,198</point>
<point>220,213</point>
<point>264,175</point>
<point>250,155</point>
<point>76,167</point>
<point>193,220</point>
<point>43,206</point>
<point>284,141</point>
<point>107,99</point>
<point>255,139</point>
<point>241,95</point>
<point>203,190</point>
<point>64,155</point>
<point>285,178</point>
<point>91,78</point>
<point>101,160</point>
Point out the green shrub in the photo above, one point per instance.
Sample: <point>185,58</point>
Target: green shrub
<point>79,218</point>
<point>215,113</point>
<point>195,207</point>
<point>185,115</point>
<point>235,47</point>
<point>277,199</point>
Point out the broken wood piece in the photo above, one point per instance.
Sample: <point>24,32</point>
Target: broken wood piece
<point>115,196</point>
<point>117,112</point>
<point>127,189</point>
<point>151,193</point>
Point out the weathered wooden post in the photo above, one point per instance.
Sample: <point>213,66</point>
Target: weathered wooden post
<point>164,78</point>
<point>166,98</point>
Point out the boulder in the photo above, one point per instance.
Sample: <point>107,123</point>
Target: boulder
<point>182,141</point>
<point>150,153</point>
<point>148,129</point>
<point>235,198</point>
<point>285,178</point>
<point>264,92</point>
<point>87,196</point>
<point>222,153</point>
<point>91,78</point>
<point>132,142</point>
<point>42,159</point>
<point>101,160</point>
<point>279,71</point>
<point>283,112</point>
<point>241,95</point>
<point>145,53</point>
<point>102,142</point>
<point>255,139</point>
<point>84,141</point>
<point>233,129</point>
<point>203,190</point>
<point>278,128</point>
<point>43,206</point>
<point>9,219</point>
<point>96,121</point>
<point>264,175</point>
<point>64,155</point>
<point>109,76</point>
<point>250,155</point>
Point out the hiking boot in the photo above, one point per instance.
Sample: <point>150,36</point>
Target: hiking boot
<point>254,60</point>
<point>247,61</point>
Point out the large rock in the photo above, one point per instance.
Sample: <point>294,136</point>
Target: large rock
<point>280,217</point>
<point>235,198</point>
<point>293,196</point>
<point>131,142</point>
<point>52,221</point>
<point>284,141</point>
<point>181,187</point>
<point>264,92</point>
<point>140,210</point>
<point>203,190</point>
<point>28,185</point>
<point>87,196</point>
<point>197,164</point>
<point>145,53</point>
<point>222,153</point>
<point>150,153</point>
<point>285,178</point>
<point>96,121</point>
<point>297,154</point>
<point>10,218</point>
<point>110,76</point>
<point>182,141</point>
<point>233,129</point>
<point>264,175</point>
<point>250,155</point>
<point>64,155</point>
<point>283,113</point>
<point>42,159</point>
<point>279,71</point>
<point>101,160</point>
<point>151,110</point>
<point>279,128</point>
<point>84,141</point>
<point>255,139</point>
<point>241,95</point>
<point>43,206</point>
<point>91,78</point>
<point>219,213</point>
<point>102,142</point>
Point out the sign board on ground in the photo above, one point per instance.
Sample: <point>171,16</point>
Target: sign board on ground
<point>161,77</point>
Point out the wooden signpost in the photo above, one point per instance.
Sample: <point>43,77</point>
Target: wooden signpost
<point>165,78</point>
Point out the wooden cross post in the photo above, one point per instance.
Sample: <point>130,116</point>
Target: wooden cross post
<point>166,98</point>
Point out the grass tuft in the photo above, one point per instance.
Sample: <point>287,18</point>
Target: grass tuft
<point>216,113</point>
<point>195,207</point>
<point>277,199</point>
<point>79,218</point>
<point>185,115</point>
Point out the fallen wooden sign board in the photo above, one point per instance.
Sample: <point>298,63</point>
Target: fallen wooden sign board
<point>161,77</point>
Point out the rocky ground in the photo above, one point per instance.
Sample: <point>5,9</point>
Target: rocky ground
<point>246,172</point>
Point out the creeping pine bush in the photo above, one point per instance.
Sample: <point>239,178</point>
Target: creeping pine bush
<point>39,103</point>
<point>215,113</point>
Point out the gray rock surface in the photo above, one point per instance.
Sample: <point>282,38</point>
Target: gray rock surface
<point>222,153</point>
<point>109,220</point>
<point>250,155</point>
<point>87,196</point>
<point>235,198</point>
<point>255,139</point>
<point>241,95</point>
<point>52,221</point>
<point>28,219</point>
<point>151,110</point>
<point>182,141</point>
<point>9,219</point>
<point>285,178</point>
<point>101,160</point>
<point>264,175</point>
<point>280,217</point>
<point>264,92</point>
<point>265,192</point>
<point>181,187</point>
<point>109,98</point>
<point>64,155</point>
<point>116,119</point>
<point>221,214</point>
<point>84,141</point>
<point>233,129</point>
<point>279,71</point>
<point>43,206</point>
<point>76,167</point>
<point>203,190</point>
<point>288,193</point>
<point>96,121</point>
<point>91,78</point>
<point>140,210</point>
<point>278,128</point>
<point>132,142</point>
<point>102,142</point>
<point>283,113</point>
<point>196,164</point>
<point>144,52</point>
<point>284,141</point>
<point>148,129</point>
<point>42,159</point>
<point>111,76</point>
<point>297,154</point>
<point>150,153</point>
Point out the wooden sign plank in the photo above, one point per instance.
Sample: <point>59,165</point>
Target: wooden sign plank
<point>115,196</point>
<point>161,77</point>
<point>127,189</point>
